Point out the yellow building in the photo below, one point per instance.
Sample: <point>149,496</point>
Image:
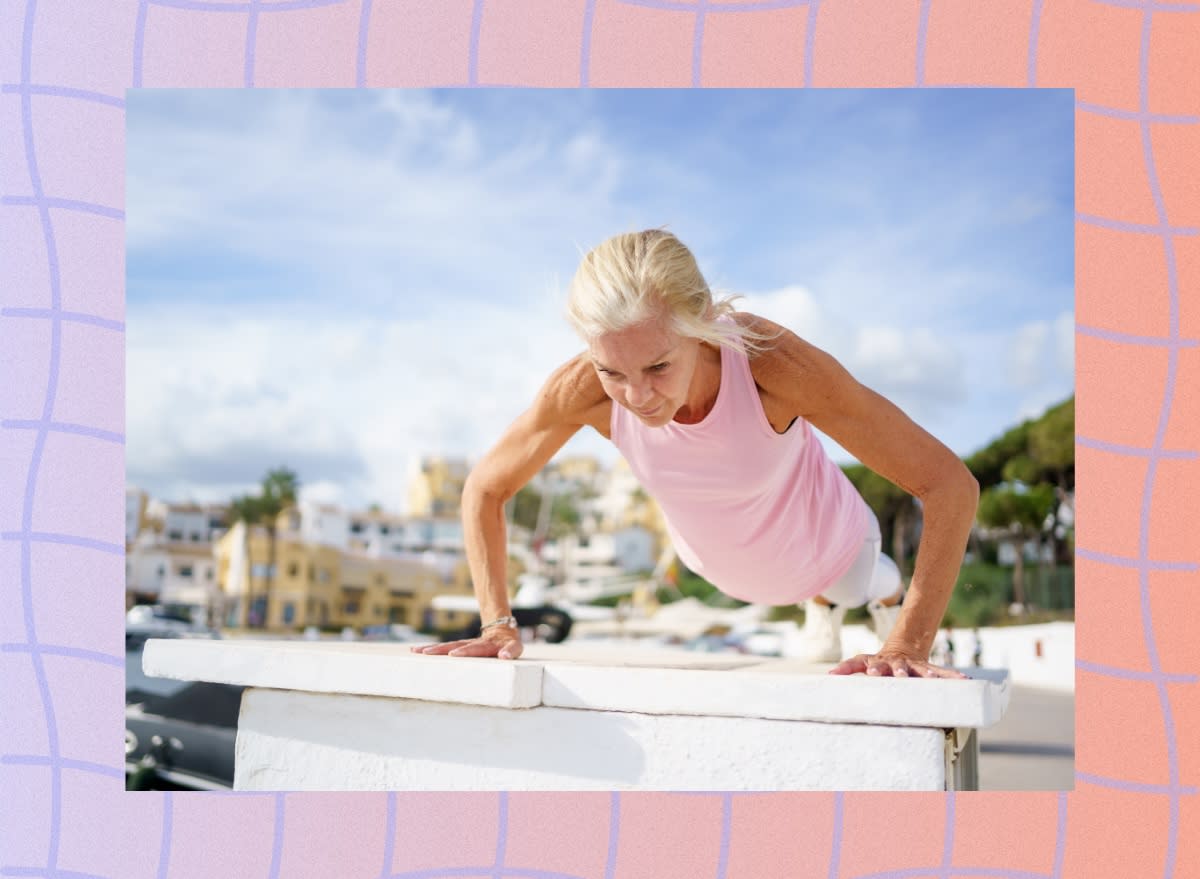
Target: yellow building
<point>288,584</point>
<point>435,486</point>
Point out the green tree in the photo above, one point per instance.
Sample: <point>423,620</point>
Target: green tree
<point>1022,511</point>
<point>277,491</point>
<point>895,508</point>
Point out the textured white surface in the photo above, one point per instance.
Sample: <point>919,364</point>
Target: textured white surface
<point>599,677</point>
<point>310,741</point>
<point>781,690</point>
<point>347,667</point>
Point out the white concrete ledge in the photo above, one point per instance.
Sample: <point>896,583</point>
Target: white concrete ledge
<point>347,667</point>
<point>353,716</point>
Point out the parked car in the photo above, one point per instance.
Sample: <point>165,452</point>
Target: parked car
<point>144,621</point>
<point>179,735</point>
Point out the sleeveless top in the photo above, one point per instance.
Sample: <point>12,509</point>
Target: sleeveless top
<point>765,517</point>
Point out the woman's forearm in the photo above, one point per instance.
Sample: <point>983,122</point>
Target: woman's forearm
<point>486,539</point>
<point>949,513</point>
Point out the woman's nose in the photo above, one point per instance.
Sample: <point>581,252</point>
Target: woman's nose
<point>638,394</point>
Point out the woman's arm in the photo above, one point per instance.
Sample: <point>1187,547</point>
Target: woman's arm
<point>565,403</point>
<point>809,383</point>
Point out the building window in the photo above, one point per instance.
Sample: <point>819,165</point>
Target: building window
<point>289,612</point>
<point>322,575</point>
<point>260,570</point>
<point>384,530</point>
<point>174,535</point>
<point>293,569</point>
<point>356,528</point>
<point>208,574</point>
<point>162,572</point>
<point>350,608</point>
<point>185,571</point>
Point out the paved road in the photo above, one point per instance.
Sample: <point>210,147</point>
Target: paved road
<point>1033,746</point>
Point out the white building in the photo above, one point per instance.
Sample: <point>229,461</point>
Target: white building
<point>135,512</point>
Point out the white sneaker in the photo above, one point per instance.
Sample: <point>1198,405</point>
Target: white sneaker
<point>821,638</point>
<point>883,618</point>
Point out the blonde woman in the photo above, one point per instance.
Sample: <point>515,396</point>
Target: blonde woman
<point>713,410</point>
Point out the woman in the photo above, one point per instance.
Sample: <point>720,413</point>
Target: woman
<point>711,408</point>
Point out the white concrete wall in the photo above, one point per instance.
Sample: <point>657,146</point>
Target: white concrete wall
<point>311,741</point>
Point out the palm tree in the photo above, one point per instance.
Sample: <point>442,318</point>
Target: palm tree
<point>277,491</point>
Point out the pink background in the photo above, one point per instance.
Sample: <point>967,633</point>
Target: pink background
<point>64,68</point>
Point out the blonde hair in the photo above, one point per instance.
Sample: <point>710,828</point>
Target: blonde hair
<point>637,276</point>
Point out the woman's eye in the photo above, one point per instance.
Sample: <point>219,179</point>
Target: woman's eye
<point>659,367</point>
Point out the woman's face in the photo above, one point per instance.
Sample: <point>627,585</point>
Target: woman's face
<point>647,368</point>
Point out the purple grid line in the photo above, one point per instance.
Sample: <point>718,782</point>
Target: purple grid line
<point>1139,563</point>
<point>364,28</point>
<point>251,41</point>
<point>75,765</point>
<point>1130,339</point>
<point>70,316</point>
<point>1160,434</point>
<point>164,849</point>
<point>698,43</point>
<point>1135,115</point>
<point>277,845</point>
<point>1060,842</point>
<point>49,874</point>
<point>726,833</point>
<point>1135,787</point>
<point>501,834</point>
<point>922,31</point>
<point>1133,451</point>
<point>69,652</point>
<point>62,427</point>
<point>835,844</point>
<point>585,48</point>
<point>69,204</point>
<point>58,91</point>
<point>1140,228</point>
<point>39,669</point>
<point>389,837</point>
<point>473,49</point>
<point>614,835</point>
<point>810,40</point>
<point>1035,24</point>
<point>948,837</point>
<point>281,6</point>
<point>139,41</point>
<point>1130,674</point>
<point>1151,6</point>
<point>64,539</point>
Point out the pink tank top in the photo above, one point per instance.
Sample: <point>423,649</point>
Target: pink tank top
<point>765,517</point>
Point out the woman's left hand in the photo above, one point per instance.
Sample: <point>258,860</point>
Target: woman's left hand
<point>895,664</point>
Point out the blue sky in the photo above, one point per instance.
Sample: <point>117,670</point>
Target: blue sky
<point>344,280</point>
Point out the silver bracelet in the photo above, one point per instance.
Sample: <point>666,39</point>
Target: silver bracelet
<point>509,621</point>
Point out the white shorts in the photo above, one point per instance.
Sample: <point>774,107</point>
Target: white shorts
<point>872,574</point>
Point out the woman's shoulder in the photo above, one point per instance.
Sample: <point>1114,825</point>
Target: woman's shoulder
<point>783,361</point>
<point>573,394</point>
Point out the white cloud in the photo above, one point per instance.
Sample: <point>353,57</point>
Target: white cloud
<point>918,369</point>
<point>1043,352</point>
<point>345,402</point>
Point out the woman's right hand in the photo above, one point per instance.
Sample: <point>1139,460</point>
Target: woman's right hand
<point>501,641</point>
